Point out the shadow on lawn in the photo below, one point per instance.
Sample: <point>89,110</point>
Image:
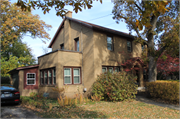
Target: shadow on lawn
<point>71,112</point>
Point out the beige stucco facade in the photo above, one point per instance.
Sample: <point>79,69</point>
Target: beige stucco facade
<point>92,55</point>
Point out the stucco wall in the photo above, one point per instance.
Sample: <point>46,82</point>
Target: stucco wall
<point>59,40</point>
<point>105,57</point>
<point>59,59</point>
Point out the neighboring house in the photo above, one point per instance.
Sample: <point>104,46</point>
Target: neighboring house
<point>80,52</point>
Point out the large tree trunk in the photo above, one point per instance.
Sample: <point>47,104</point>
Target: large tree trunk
<point>152,69</point>
<point>152,61</point>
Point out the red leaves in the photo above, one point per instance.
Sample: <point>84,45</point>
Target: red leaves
<point>168,64</point>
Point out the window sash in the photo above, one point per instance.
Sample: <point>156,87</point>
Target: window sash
<point>31,77</point>
<point>45,77</point>
<point>67,75</point>
<point>50,76</point>
<point>109,43</point>
<point>104,68</point>
<point>75,76</point>
<point>129,46</point>
<point>110,69</point>
<point>54,76</point>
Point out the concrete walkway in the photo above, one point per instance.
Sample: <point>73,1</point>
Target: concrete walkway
<point>149,101</point>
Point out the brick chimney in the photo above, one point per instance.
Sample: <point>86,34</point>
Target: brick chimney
<point>69,14</point>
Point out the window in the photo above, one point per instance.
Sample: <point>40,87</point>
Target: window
<point>62,46</point>
<point>76,74</point>
<point>31,78</point>
<point>142,47</point>
<point>72,76</point>
<point>42,78</point>
<point>76,44</point>
<point>110,69</point>
<point>45,77</point>
<point>109,43</point>
<point>104,69</point>
<point>48,76</point>
<point>116,69</point>
<point>129,46</point>
<point>67,76</point>
<point>54,76</point>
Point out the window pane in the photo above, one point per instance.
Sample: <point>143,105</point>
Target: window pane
<point>103,69</point>
<point>30,82</point>
<point>111,70</point>
<point>76,72</point>
<point>76,79</point>
<point>67,72</point>
<point>54,73</point>
<point>54,80</point>
<point>49,75</point>
<point>129,46</point>
<point>109,43</point>
<point>78,45</point>
<point>67,79</point>
<point>117,69</point>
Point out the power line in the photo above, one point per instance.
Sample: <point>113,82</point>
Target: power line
<point>109,24</point>
<point>99,17</point>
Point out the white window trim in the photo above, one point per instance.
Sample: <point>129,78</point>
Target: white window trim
<point>77,75</point>
<point>104,67</point>
<point>30,79</point>
<point>68,75</point>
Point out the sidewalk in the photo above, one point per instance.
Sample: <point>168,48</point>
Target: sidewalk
<point>149,101</point>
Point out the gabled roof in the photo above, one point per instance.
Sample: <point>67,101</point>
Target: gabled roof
<point>22,68</point>
<point>92,26</point>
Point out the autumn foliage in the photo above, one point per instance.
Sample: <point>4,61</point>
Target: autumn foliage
<point>166,64</point>
<point>115,86</point>
<point>165,90</point>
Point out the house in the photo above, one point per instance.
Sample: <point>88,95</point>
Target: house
<point>80,52</point>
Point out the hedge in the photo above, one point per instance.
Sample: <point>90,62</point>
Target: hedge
<point>165,90</point>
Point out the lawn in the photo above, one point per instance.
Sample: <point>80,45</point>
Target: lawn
<point>103,109</point>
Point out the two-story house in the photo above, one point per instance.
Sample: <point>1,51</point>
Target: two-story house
<point>80,52</point>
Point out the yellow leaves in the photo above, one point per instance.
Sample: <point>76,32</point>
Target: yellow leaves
<point>137,23</point>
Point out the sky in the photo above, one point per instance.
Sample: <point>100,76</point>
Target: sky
<point>94,15</point>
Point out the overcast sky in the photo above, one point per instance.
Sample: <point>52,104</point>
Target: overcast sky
<point>94,15</point>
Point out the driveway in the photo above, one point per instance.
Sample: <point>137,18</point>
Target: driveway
<point>16,111</point>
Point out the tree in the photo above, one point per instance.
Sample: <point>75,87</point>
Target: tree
<point>59,5</point>
<point>151,21</point>
<point>15,23</point>
<point>167,65</point>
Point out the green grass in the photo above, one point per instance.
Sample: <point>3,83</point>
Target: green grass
<point>103,109</point>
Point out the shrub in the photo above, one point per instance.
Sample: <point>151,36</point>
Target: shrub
<point>115,86</point>
<point>5,80</point>
<point>165,90</point>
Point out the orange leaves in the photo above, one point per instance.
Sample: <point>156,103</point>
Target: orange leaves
<point>15,22</point>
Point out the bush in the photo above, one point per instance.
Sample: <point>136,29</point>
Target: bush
<point>165,90</point>
<point>115,86</point>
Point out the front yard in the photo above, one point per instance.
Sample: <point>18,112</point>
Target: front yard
<point>103,109</point>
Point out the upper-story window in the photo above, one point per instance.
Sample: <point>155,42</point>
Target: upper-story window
<point>62,46</point>
<point>142,47</point>
<point>129,46</point>
<point>76,40</point>
<point>109,43</point>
